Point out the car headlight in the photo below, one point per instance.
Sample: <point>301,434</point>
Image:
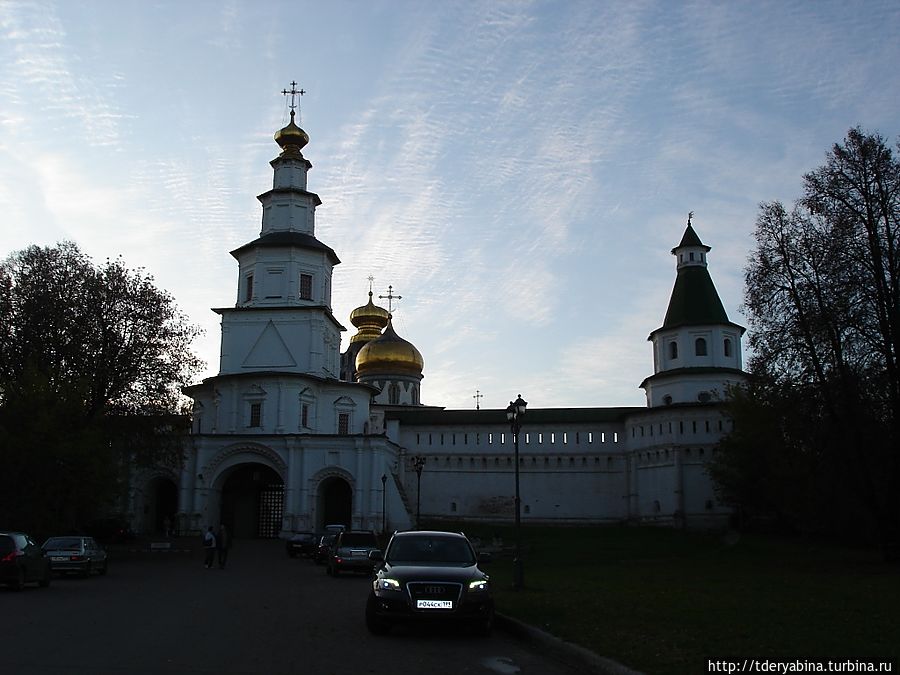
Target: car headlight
<point>478,585</point>
<point>386,585</point>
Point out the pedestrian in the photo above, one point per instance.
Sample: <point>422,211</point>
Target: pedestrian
<point>209,545</point>
<point>223,543</point>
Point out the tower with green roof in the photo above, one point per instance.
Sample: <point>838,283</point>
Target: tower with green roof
<point>697,350</point>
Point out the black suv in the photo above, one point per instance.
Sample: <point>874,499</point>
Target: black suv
<point>350,552</point>
<point>427,575</point>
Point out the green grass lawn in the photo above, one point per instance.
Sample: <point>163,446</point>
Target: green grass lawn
<point>665,602</point>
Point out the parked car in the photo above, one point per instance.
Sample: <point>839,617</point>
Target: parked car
<point>429,575</point>
<point>323,550</point>
<point>303,544</point>
<point>350,552</point>
<point>75,553</point>
<point>109,530</point>
<point>22,561</point>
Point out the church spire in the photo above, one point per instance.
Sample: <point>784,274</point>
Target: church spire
<point>694,299</point>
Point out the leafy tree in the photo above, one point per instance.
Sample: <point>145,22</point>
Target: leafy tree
<point>92,359</point>
<point>823,299</point>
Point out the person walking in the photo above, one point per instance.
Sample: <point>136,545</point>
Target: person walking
<point>223,543</point>
<point>209,545</point>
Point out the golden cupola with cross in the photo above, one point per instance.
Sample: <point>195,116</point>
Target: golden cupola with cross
<point>370,320</point>
<point>388,362</point>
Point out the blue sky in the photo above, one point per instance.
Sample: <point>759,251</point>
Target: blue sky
<point>518,171</point>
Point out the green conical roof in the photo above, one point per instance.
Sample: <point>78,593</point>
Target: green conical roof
<point>694,300</point>
<point>690,238</point>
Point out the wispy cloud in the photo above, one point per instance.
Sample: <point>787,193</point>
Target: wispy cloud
<point>518,171</point>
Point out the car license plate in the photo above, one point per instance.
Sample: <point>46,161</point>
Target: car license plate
<point>434,604</point>
<point>59,558</point>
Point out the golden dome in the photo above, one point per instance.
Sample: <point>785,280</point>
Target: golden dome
<point>291,135</point>
<point>370,319</point>
<point>389,354</point>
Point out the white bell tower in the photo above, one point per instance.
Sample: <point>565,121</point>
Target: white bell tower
<point>282,318</point>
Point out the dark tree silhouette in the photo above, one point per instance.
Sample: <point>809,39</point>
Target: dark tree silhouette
<point>92,359</point>
<point>823,300</point>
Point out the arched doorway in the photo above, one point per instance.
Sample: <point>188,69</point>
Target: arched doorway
<point>335,502</point>
<point>252,501</point>
<point>161,504</point>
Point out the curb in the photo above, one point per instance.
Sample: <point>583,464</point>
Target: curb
<point>567,652</point>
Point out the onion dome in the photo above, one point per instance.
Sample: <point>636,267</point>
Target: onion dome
<point>389,354</point>
<point>291,137</point>
<point>370,319</point>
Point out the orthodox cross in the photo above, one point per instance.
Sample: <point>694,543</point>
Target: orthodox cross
<point>390,297</point>
<point>478,396</point>
<point>294,92</point>
<point>371,281</point>
<point>690,215</point>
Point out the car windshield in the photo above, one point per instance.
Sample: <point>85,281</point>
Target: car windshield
<point>63,543</point>
<point>430,550</point>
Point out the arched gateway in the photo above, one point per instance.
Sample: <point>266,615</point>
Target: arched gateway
<point>335,502</point>
<point>251,501</point>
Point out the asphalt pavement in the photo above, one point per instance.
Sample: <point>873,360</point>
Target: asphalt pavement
<point>160,611</point>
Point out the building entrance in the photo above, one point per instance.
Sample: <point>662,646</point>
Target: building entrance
<point>253,502</point>
<point>335,502</point>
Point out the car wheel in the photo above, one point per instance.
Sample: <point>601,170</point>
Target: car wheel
<point>375,624</point>
<point>103,569</point>
<point>87,570</point>
<point>45,581</point>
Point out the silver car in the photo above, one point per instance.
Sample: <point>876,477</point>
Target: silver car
<point>75,553</point>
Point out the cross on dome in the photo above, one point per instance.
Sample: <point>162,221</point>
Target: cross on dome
<point>294,92</point>
<point>390,297</point>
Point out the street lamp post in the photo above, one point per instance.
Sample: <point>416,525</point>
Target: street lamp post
<point>418,464</point>
<point>514,413</point>
<point>383,512</point>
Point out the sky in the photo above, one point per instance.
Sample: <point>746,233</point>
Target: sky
<point>517,171</point>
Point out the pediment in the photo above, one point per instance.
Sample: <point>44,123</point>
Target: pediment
<point>270,351</point>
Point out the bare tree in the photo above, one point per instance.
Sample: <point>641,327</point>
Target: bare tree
<point>823,300</point>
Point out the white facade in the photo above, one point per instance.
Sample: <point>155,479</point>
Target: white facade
<point>281,442</point>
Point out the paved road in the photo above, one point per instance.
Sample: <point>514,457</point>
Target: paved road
<point>266,614</point>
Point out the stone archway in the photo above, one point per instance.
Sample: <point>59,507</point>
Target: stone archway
<point>335,502</point>
<point>252,501</point>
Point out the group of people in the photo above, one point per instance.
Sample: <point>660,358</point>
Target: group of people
<point>216,542</point>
